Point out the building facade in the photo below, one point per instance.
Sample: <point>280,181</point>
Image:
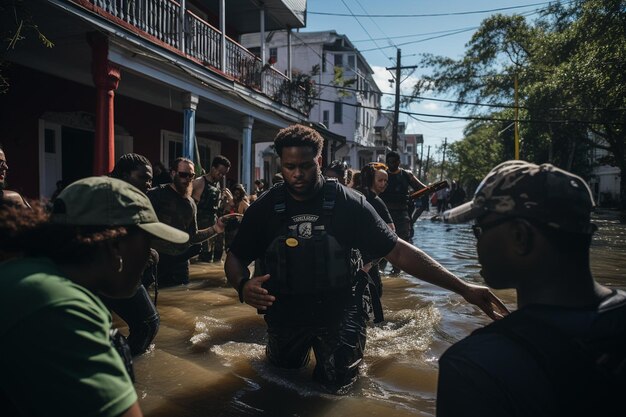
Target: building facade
<point>156,77</point>
<point>349,99</point>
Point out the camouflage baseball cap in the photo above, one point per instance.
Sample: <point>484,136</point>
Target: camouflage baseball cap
<point>543,192</point>
<point>105,201</point>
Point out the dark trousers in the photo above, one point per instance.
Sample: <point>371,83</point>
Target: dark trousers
<point>141,315</point>
<point>338,348</point>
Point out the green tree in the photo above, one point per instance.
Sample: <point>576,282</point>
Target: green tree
<point>16,23</point>
<point>571,67</point>
<point>482,147</point>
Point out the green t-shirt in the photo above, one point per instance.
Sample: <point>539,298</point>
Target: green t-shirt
<point>55,355</point>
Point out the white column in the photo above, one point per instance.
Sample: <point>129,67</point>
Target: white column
<point>289,53</point>
<point>246,158</point>
<point>223,38</point>
<point>190,103</point>
<point>262,34</point>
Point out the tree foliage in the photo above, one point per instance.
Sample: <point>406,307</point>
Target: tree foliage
<point>16,24</point>
<point>571,68</point>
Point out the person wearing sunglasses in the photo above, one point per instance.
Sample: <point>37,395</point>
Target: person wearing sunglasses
<point>8,197</point>
<point>175,206</point>
<point>563,352</point>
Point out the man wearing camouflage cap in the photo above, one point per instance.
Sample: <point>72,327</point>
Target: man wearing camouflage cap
<point>563,352</point>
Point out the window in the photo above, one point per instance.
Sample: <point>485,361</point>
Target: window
<point>338,112</point>
<point>323,62</point>
<point>274,55</point>
<point>326,117</point>
<point>339,60</point>
<point>351,62</point>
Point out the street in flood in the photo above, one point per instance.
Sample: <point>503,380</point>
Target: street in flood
<point>208,358</point>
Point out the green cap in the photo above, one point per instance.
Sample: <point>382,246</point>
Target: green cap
<point>105,201</point>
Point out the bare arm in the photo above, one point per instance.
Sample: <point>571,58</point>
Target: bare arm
<point>417,263</point>
<point>204,234</point>
<point>133,411</point>
<point>197,188</point>
<point>415,183</point>
<point>250,289</point>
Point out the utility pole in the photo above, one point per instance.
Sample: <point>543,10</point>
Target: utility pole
<point>396,112</point>
<point>427,162</point>
<point>419,174</point>
<point>443,160</point>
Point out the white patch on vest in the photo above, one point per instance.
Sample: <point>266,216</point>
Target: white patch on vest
<point>305,218</point>
<point>305,230</point>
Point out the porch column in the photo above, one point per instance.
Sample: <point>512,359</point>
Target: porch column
<point>106,77</point>
<point>223,35</point>
<point>288,53</point>
<point>190,103</point>
<point>262,34</point>
<point>247,157</point>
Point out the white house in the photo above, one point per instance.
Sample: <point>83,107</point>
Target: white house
<point>352,111</point>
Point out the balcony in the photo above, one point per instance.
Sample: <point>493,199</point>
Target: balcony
<point>200,42</point>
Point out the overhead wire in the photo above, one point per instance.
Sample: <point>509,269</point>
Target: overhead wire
<point>434,14</point>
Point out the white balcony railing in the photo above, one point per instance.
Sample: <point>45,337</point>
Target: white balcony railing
<point>202,42</point>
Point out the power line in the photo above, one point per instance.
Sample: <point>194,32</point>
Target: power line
<point>413,35</point>
<point>484,118</point>
<point>363,27</point>
<point>432,14</point>
<point>469,103</point>
<point>375,23</point>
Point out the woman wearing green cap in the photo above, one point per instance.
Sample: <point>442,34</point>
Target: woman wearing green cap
<point>55,354</point>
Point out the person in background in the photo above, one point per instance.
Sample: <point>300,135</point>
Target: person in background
<point>175,207</point>
<point>356,179</point>
<point>239,205</point>
<point>563,352</point>
<point>307,234</point>
<point>339,170</point>
<point>374,180</point>
<point>260,186</point>
<point>207,194</point>
<point>396,196</point>
<point>160,175</point>
<point>8,197</point>
<point>457,195</point>
<point>56,354</point>
<point>138,311</point>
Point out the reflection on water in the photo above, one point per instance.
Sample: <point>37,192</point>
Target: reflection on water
<point>208,358</point>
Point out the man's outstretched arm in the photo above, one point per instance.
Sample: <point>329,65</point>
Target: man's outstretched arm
<point>417,263</point>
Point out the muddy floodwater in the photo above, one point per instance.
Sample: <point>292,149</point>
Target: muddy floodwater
<point>208,358</point>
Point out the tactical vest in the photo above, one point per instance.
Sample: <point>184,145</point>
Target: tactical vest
<point>209,202</point>
<point>396,195</point>
<point>307,259</point>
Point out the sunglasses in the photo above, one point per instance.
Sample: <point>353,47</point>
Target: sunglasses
<point>186,174</point>
<point>480,229</point>
<point>378,165</point>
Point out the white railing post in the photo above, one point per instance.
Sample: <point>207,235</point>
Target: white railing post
<point>223,35</point>
<point>181,27</point>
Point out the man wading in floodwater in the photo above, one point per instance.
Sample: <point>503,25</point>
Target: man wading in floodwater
<point>307,233</point>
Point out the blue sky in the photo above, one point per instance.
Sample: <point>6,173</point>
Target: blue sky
<point>383,27</point>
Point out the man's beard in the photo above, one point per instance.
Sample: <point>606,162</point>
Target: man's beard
<point>309,190</point>
<point>183,189</point>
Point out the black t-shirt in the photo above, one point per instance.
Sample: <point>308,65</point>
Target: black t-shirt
<point>379,206</point>
<point>492,374</point>
<point>355,224</point>
<point>175,210</point>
